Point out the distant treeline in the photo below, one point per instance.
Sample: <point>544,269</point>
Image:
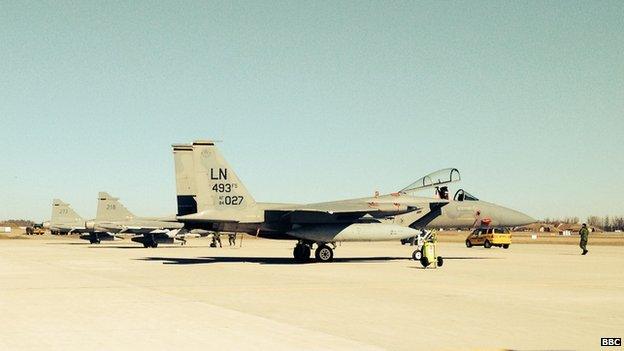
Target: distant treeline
<point>16,223</point>
<point>606,223</point>
<point>566,220</point>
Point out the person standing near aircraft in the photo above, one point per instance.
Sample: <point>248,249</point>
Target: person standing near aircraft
<point>216,239</point>
<point>232,239</point>
<point>584,233</point>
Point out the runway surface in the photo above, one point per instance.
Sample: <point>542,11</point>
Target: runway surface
<point>63,294</point>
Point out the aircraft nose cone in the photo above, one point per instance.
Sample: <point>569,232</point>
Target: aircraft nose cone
<point>513,218</point>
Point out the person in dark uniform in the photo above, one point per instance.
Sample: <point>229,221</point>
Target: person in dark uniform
<point>216,238</point>
<point>584,233</point>
<point>232,239</point>
<point>443,192</point>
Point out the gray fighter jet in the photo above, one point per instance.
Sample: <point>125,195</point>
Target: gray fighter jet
<point>64,219</point>
<point>224,204</point>
<point>113,218</point>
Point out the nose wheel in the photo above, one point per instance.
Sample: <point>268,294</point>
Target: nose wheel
<point>417,255</point>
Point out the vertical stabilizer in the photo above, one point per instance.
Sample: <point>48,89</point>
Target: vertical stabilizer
<point>218,186</point>
<point>110,209</point>
<point>62,213</point>
<point>185,179</point>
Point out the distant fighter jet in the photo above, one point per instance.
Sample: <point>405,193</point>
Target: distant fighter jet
<point>113,218</point>
<point>64,219</point>
<point>223,204</point>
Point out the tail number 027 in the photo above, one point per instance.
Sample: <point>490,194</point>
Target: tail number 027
<point>231,200</point>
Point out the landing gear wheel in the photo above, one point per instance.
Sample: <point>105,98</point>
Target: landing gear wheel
<point>146,245</point>
<point>468,243</point>
<point>301,253</point>
<point>487,244</point>
<point>505,246</point>
<point>95,241</point>
<point>417,255</point>
<point>324,254</point>
<point>425,261</point>
<point>154,244</point>
<point>440,261</point>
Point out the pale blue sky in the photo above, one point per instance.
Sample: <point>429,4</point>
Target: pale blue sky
<point>315,100</point>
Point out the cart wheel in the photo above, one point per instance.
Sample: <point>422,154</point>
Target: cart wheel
<point>505,246</point>
<point>487,244</point>
<point>440,261</point>
<point>417,255</point>
<point>468,243</point>
<point>425,261</point>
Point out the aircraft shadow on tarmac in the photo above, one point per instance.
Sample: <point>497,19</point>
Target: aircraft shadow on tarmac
<point>470,258</point>
<point>284,260</point>
<point>130,246</point>
<point>262,260</point>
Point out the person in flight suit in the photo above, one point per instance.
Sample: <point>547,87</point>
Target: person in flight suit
<point>232,239</point>
<point>216,239</point>
<point>584,233</point>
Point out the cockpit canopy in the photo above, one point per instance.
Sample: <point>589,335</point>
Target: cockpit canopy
<point>435,179</point>
<point>462,195</point>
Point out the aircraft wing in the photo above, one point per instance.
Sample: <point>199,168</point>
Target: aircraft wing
<point>341,211</point>
<point>337,212</point>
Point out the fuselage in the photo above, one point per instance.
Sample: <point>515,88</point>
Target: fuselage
<point>391,217</point>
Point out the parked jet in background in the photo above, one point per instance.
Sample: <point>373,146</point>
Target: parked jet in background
<point>64,219</point>
<point>185,184</point>
<point>114,218</point>
<point>186,189</point>
<point>224,204</point>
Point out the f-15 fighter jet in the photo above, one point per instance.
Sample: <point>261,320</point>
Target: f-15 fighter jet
<point>223,203</point>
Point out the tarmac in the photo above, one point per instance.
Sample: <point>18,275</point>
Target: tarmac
<point>65,294</point>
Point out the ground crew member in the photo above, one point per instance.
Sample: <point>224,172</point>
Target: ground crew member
<point>232,239</point>
<point>216,238</point>
<point>584,233</point>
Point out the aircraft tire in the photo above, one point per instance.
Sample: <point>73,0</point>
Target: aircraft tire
<point>296,253</point>
<point>440,261</point>
<point>154,244</point>
<point>487,244</point>
<point>505,246</point>
<point>324,253</point>
<point>425,261</point>
<point>468,244</point>
<point>146,245</point>
<point>416,255</point>
<point>299,253</point>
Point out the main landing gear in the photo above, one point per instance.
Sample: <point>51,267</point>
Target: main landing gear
<point>324,253</point>
<point>303,250</point>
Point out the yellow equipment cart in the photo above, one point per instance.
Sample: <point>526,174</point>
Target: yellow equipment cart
<point>430,253</point>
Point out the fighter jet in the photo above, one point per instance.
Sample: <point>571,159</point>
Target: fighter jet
<point>224,204</point>
<point>113,218</point>
<point>185,179</point>
<point>64,219</point>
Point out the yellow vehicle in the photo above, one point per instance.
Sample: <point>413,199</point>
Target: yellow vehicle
<point>489,237</point>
